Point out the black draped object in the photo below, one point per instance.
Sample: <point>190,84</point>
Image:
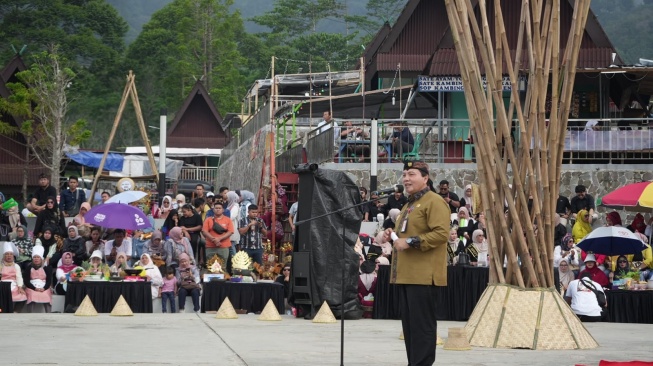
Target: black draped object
<point>456,301</point>
<point>6,302</point>
<point>630,306</point>
<point>104,295</point>
<point>249,296</point>
<point>322,192</point>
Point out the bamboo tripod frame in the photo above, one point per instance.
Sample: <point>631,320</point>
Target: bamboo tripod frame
<point>128,92</point>
<point>536,162</point>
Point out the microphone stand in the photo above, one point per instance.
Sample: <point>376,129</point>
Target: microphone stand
<point>344,264</point>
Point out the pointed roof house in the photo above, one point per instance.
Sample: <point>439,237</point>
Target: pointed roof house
<point>422,43</point>
<point>198,124</point>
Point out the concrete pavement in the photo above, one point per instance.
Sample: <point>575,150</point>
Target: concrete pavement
<point>181,339</point>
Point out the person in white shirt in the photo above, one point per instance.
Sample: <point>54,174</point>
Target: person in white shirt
<point>582,300</point>
<point>567,251</point>
<point>119,244</point>
<point>326,124</point>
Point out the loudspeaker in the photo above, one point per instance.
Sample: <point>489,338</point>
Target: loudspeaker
<point>305,200</point>
<point>301,278</point>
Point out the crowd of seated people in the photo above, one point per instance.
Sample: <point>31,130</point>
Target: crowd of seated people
<point>39,263</point>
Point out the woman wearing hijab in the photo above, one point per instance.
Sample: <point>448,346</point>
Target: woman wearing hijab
<point>613,219</point>
<point>11,272</point>
<point>622,267</point>
<point>76,245</point>
<point>582,226</point>
<point>66,266</point>
<point>638,224</point>
<point>49,243</point>
<point>165,209</point>
<point>24,246</point>
<point>389,223</point>
<point>234,208</point>
<point>120,264</point>
<point>467,200</point>
<point>464,223</point>
<point>83,228</point>
<point>170,222</point>
<point>38,280</point>
<point>153,274</point>
<point>188,277</point>
<point>482,247</point>
<point>50,217</point>
<point>568,252</point>
<point>566,275</point>
<point>454,246</point>
<point>559,231</point>
<point>156,249</point>
<point>175,246</point>
<point>592,268</point>
<point>180,201</point>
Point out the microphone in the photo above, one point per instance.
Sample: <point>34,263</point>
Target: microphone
<point>398,188</point>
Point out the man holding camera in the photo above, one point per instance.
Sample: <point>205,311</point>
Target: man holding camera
<point>217,230</point>
<point>252,231</point>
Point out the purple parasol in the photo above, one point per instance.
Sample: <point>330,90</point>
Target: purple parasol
<point>117,216</point>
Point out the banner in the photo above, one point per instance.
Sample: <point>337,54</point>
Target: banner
<point>455,83</point>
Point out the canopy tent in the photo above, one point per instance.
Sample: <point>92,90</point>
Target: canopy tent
<point>90,159</point>
<point>137,166</point>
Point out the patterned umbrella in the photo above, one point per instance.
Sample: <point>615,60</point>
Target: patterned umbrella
<point>612,240</point>
<point>117,216</point>
<point>632,197</point>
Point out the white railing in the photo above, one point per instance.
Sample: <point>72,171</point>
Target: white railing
<point>207,174</point>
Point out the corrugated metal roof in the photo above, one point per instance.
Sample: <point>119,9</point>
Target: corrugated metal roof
<point>425,31</point>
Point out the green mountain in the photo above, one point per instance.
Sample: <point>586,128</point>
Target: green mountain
<point>628,23</point>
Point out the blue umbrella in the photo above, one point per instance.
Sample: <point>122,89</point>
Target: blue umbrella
<point>612,240</point>
<point>118,216</point>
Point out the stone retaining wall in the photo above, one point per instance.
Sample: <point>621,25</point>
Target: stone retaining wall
<point>599,179</point>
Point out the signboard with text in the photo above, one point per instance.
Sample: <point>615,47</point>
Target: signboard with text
<point>454,83</point>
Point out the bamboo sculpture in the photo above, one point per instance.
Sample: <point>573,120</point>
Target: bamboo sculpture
<point>524,238</point>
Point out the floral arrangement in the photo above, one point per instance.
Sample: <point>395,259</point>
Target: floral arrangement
<point>286,247</point>
<point>77,274</point>
<point>214,264</point>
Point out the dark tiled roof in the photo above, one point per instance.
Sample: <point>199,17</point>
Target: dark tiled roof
<point>421,39</point>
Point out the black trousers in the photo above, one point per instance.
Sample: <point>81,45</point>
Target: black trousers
<point>419,323</point>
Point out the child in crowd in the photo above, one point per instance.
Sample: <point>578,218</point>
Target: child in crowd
<point>169,290</point>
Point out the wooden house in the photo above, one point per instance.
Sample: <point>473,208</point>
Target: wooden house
<point>17,165</point>
<point>420,44</point>
<point>199,124</point>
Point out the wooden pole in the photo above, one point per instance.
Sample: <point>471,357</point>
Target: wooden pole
<point>112,134</point>
<point>141,126</point>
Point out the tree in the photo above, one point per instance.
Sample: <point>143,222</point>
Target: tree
<point>190,40</point>
<point>378,13</point>
<point>41,97</point>
<point>89,34</point>
<point>315,31</point>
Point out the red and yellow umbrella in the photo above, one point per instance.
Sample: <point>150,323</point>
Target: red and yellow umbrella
<point>634,197</point>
